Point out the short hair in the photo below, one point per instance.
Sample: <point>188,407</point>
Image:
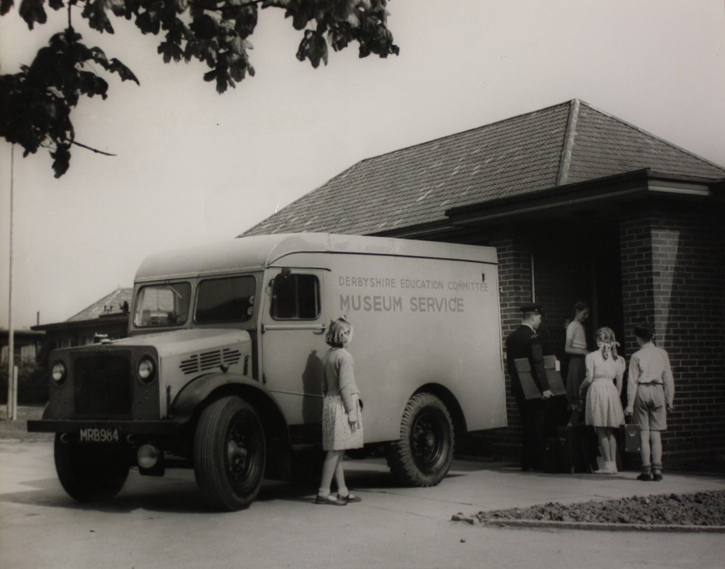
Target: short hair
<point>337,332</point>
<point>645,331</point>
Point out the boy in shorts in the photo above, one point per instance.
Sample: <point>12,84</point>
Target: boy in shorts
<point>650,395</point>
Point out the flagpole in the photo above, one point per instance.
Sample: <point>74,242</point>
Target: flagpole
<point>12,389</point>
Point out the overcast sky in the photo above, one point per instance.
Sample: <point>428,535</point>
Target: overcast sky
<point>193,166</point>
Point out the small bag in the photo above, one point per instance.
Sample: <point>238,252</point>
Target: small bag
<point>549,455</point>
<point>630,434</point>
<point>570,452</point>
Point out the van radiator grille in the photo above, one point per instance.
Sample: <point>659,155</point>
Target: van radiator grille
<point>102,386</point>
<point>210,360</point>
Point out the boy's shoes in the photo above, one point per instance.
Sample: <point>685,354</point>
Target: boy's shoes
<point>656,477</point>
<point>349,499</point>
<point>646,477</point>
<point>330,500</point>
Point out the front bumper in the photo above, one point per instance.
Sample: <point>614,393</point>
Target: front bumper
<point>124,427</point>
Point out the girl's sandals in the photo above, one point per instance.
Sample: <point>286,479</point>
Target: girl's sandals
<point>330,500</point>
<point>349,499</point>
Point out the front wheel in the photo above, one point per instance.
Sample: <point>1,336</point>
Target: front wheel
<point>229,454</point>
<point>423,454</point>
<point>90,473</point>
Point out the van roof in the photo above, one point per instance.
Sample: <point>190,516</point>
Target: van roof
<point>258,252</point>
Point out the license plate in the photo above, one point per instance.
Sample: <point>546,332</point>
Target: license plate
<point>100,435</point>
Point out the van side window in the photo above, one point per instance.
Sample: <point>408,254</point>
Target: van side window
<point>295,297</point>
<point>225,300</point>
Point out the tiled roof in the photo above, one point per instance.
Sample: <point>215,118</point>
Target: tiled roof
<point>604,146</point>
<point>567,143</point>
<point>109,304</point>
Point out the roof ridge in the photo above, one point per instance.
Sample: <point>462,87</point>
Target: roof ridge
<point>568,145</point>
<point>658,138</point>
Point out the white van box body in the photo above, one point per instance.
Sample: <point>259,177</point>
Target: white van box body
<point>422,312</point>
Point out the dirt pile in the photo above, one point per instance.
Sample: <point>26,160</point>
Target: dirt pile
<point>698,509</point>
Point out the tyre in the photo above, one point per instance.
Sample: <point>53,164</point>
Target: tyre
<point>423,454</point>
<point>90,473</point>
<point>229,454</point>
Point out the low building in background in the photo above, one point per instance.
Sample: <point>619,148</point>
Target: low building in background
<point>105,318</point>
<point>27,346</point>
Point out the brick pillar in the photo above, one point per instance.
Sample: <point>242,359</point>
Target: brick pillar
<point>673,274</point>
<point>635,234</point>
<point>514,277</point>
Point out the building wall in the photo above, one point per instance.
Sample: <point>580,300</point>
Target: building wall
<point>673,275</point>
<point>665,263</point>
<point>514,278</point>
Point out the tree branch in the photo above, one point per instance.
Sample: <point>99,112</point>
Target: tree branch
<point>91,149</point>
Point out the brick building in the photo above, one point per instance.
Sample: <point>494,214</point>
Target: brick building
<point>581,206</point>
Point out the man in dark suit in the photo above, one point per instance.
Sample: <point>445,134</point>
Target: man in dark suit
<point>524,342</point>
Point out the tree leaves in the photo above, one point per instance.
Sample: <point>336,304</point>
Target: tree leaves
<point>35,104</point>
<point>314,48</point>
<point>5,6</point>
<point>32,11</point>
<point>95,12</point>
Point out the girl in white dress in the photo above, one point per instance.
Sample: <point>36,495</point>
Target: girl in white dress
<point>603,387</point>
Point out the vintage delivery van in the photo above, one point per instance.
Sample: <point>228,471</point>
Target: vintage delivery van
<point>221,371</point>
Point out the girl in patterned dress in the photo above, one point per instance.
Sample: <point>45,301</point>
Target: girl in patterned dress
<point>603,384</point>
<point>341,417</point>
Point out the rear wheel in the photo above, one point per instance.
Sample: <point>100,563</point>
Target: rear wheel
<point>423,454</point>
<point>229,454</point>
<point>90,473</point>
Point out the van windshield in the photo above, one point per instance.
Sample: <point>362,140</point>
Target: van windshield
<point>162,305</point>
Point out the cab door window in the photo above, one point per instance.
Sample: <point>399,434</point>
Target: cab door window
<point>225,300</point>
<point>295,297</point>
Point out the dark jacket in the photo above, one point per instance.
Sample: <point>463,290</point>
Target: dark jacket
<point>525,343</point>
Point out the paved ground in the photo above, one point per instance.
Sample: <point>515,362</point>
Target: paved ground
<point>162,523</point>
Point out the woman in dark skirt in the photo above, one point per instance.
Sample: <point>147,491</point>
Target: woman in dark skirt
<point>577,349</point>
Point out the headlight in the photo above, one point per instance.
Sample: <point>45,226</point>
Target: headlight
<point>146,369</point>
<point>58,372</point>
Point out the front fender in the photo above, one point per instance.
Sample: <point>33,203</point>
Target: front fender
<point>200,388</point>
